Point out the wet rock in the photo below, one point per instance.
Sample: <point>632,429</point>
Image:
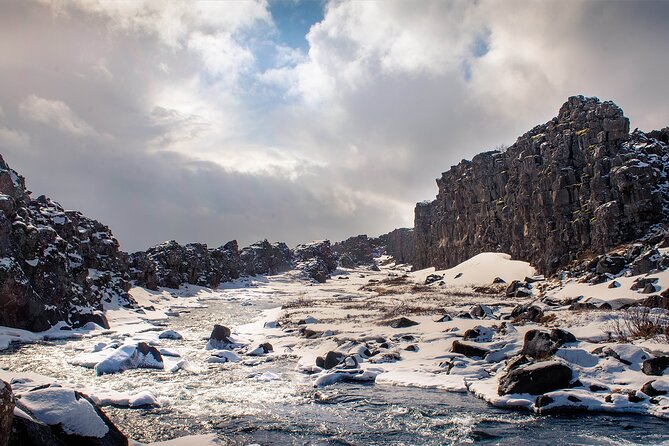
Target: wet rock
<point>469,349</point>
<point>401,322</point>
<point>655,366</point>
<point>536,379</point>
<point>332,359</point>
<point>6,412</point>
<point>219,338</point>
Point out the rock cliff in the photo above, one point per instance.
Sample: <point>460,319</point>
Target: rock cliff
<point>579,184</point>
<point>54,264</point>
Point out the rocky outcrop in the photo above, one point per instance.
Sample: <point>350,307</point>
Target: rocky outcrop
<point>267,258</point>
<point>535,379</point>
<point>579,184</point>
<point>316,260</point>
<point>400,244</point>
<point>171,265</point>
<point>54,264</point>
<point>357,251</point>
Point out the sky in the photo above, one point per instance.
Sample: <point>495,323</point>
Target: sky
<point>297,120</point>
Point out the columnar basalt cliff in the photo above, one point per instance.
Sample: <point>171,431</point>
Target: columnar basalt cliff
<point>54,264</point>
<point>579,184</point>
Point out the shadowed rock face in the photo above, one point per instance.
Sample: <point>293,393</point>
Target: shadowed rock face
<point>578,184</point>
<point>53,263</point>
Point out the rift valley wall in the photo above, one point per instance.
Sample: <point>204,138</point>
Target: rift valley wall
<point>579,184</point>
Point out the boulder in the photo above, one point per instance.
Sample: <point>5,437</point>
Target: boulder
<point>81,319</point>
<point>479,334</point>
<point>655,366</point>
<point>432,278</point>
<point>219,338</point>
<point>316,260</point>
<point>539,344</point>
<point>656,301</point>
<point>72,417</point>
<point>401,322</point>
<point>527,312</point>
<point>611,264</point>
<point>535,379</point>
<point>649,390</point>
<point>469,349</point>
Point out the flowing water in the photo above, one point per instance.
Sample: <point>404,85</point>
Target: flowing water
<point>235,402</point>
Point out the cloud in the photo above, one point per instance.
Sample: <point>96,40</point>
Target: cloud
<point>212,128</point>
<point>56,114</point>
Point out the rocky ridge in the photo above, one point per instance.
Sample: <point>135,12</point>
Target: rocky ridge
<point>54,264</point>
<point>578,185</point>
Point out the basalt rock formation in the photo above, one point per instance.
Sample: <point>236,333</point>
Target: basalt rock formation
<point>400,244</point>
<point>580,184</point>
<point>361,249</point>
<point>54,264</point>
<point>171,265</point>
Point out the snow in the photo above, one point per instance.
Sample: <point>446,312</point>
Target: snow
<point>62,406</point>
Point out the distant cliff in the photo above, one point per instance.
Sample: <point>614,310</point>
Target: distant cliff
<point>579,184</point>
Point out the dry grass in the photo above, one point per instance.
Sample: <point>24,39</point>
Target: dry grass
<point>639,323</point>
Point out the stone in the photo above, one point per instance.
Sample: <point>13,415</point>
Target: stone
<point>579,184</point>
<point>469,349</point>
<point>480,311</point>
<point>479,334</point>
<point>655,366</point>
<point>432,278</point>
<point>81,319</point>
<point>656,301</point>
<point>6,412</point>
<point>649,390</point>
<point>646,262</point>
<point>333,359</point>
<point>498,280</point>
<point>539,344</point>
<point>401,322</point>
<point>527,312</point>
<point>611,264</point>
<point>536,379</point>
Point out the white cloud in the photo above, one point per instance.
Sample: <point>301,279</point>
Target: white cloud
<point>56,114</point>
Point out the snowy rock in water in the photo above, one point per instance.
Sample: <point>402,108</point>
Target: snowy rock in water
<point>170,334</point>
<point>262,349</point>
<point>655,366</point>
<point>74,418</point>
<point>219,338</point>
<point>469,349</point>
<point>401,322</point>
<point>6,412</point>
<point>222,356</point>
<point>331,360</point>
<point>535,379</point>
<point>131,356</point>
